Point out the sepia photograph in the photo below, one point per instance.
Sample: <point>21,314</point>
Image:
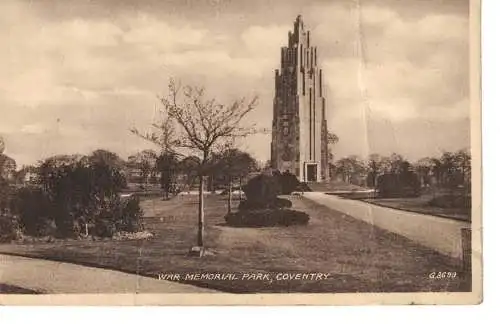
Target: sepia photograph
<point>236,152</point>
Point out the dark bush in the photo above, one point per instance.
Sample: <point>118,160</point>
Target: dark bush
<point>289,183</point>
<point>282,203</point>
<point>267,217</point>
<point>118,215</point>
<point>247,205</point>
<point>131,215</point>
<point>371,179</point>
<point>5,196</point>
<point>303,187</point>
<point>276,204</point>
<point>84,192</point>
<point>104,227</point>
<point>107,218</point>
<point>35,211</point>
<point>78,195</point>
<point>9,228</point>
<point>394,185</point>
<point>262,190</point>
<point>65,221</point>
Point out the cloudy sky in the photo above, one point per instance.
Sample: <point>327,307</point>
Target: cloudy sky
<point>76,75</point>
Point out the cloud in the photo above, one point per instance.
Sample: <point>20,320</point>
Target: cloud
<point>399,68</point>
<point>151,33</point>
<point>33,129</point>
<point>265,40</point>
<point>218,63</point>
<point>78,79</point>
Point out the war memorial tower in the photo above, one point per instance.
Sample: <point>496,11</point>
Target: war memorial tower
<point>299,132</point>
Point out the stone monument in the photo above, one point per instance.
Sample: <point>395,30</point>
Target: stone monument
<point>299,131</point>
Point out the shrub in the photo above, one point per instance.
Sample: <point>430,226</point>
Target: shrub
<point>394,185</point>
<point>9,228</point>
<point>34,209</point>
<point>289,183</point>
<point>282,203</point>
<point>5,196</point>
<point>83,192</point>
<point>275,204</point>
<point>267,217</point>
<point>131,215</point>
<point>104,227</point>
<point>107,218</point>
<point>66,225</point>
<point>262,190</point>
<point>118,216</point>
<point>303,187</point>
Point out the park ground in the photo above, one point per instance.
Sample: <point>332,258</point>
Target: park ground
<point>360,257</point>
<point>421,204</point>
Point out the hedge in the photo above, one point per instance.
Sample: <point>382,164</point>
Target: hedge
<point>266,218</point>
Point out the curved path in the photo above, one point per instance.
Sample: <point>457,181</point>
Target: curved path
<point>437,233</point>
<point>51,277</point>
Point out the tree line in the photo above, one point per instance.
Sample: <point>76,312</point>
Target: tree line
<point>450,170</point>
<point>175,173</point>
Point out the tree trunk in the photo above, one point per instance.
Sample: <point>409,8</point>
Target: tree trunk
<point>201,213</point>
<point>241,193</point>
<point>166,189</point>
<point>211,183</point>
<point>230,195</point>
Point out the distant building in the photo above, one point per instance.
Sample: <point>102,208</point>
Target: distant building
<point>299,133</point>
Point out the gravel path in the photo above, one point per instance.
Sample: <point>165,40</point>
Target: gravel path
<point>440,234</point>
<point>43,276</point>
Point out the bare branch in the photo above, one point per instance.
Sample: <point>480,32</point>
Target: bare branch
<point>193,122</point>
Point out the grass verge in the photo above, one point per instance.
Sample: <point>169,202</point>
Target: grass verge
<point>358,256</point>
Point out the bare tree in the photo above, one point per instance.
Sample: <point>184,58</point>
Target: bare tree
<point>7,167</point>
<point>374,166</point>
<point>331,140</point>
<point>351,169</point>
<point>235,164</point>
<point>145,161</point>
<point>423,167</point>
<point>193,123</point>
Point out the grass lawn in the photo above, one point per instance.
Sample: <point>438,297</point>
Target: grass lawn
<point>359,257</point>
<point>420,205</point>
<point>413,204</point>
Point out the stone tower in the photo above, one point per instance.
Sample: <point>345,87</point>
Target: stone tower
<point>299,132</point>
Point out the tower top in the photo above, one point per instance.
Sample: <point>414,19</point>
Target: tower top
<point>299,24</point>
